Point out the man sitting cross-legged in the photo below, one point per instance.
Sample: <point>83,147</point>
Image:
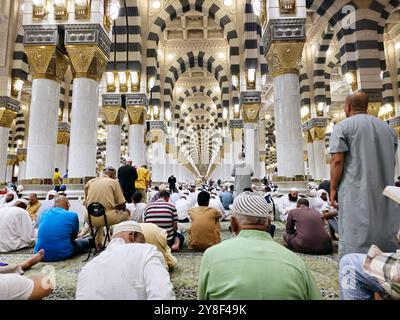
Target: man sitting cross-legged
<point>252,265</point>
<point>205,229</point>
<point>58,230</point>
<point>305,231</point>
<point>129,269</point>
<point>15,286</point>
<point>16,230</point>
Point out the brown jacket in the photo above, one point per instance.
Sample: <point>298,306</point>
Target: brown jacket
<point>205,229</point>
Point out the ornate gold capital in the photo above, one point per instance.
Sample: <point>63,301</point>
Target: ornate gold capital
<point>114,115</point>
<point>251,112</point>
<point>284,57</point>
<point>11,159</point>
<point>136,114</point>
<point>21,155</point>
<point>87,61</point>
<point>317,133</point>
<point>236,134</point>
<point>47,62</point>
<point>63,137</point>
<point>7,116</point>
<point>373,108</point>
<point>157,136</point>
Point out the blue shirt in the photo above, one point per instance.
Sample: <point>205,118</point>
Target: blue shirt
<point>226,199</point>
<point>56,227</point>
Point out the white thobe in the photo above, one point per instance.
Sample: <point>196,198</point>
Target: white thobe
<point>284,206</point>
<point>217,205</point>
<point>16,230</point>
<point>133,271</point>
<point>182,208</point>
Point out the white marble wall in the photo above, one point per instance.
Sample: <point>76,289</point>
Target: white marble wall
<point>43,126</point>
<point>289,140</point>
<point>311,162</point>
<point>113,146</point>
<point>320,159</point>
<point>61,158</point>
<point>83,144</point>
<point>22,170</point>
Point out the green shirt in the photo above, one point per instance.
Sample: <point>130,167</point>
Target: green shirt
<point>253,266</point>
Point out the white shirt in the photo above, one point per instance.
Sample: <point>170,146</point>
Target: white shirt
<point>182,208</point>
<point>175,197</point>
<point>15,287</point>
<point>137,211</point>
<point>133,271</point>
<point>192,199</point>
<point>16,229</point>
<point>284,206</point>
<point>217,205</point>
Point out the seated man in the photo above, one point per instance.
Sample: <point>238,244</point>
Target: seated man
<point>183,206</point>
<point>205,229</point>
<point>375,275</point>
<point>129,269</point>
<point>287,203</point>
<point>34,206</point>
<point>16,230</point>
<point>163,214</point>
<point>305,231</point>
<point>107,191</point>
<point>226,197</point>
<point>215,202</point>
<point>47,204</point>
<point>267,270</point>
<point>57,234</point>
<point>156,236</point>
<point>136,207</point>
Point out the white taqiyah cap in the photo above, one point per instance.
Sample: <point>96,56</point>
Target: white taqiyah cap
<point>24,201</point>
<point>128,226</point>
<point>294,190</point>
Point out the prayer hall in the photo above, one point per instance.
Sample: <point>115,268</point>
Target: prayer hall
<point>199,150</point>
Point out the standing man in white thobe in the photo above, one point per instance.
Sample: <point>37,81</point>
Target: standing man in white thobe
<point>242,172</point>
<point>363,152</point>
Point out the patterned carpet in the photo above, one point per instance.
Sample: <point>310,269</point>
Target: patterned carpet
<point>184,277</point>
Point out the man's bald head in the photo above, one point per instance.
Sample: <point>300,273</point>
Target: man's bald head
<point>359,101</point>
<point>61,202</point>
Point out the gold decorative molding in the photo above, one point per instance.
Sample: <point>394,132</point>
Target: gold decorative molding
<point>250,112</point>
<point>7,117</point>
<point>284,57</point>
<point>373,108</point>
<point>236,134</point>
<point>87,61</point>
<point>317,133</point>
<point>63,137</point>
<point>21,156</point>
<point>11,160</point>
<point>136,114</point>
<point>114,115</point>
<point>47,62</point>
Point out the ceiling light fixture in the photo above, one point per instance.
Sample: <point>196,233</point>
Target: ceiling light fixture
<point>257,7</point>
<point>227,3</point>
<point>156,4</point>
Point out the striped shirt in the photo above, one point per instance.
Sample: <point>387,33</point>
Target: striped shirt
<point>162,214</point>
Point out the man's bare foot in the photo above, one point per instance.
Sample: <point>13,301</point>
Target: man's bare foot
<point>175,246</point>
<point>32,261</point>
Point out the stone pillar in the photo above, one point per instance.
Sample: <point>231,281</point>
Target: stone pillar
<point>62,147</point>
<point>317,131</point>
<point>11,161</point>
<point>114,116</point>
<point>21,156</point>
<point>88,59</point>
<point>310,156</point>
<point>48,64</point>
<point>8,112</point>
<point>157,129</point>
<point>283,57</point>
<point>236,127</point>
<point>228,146</point>
<point>136,106</point>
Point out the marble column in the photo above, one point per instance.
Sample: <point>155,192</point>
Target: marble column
<point>320,159</point>
<point>21,155</point>
<point>136,109</point>
<point>48,65</point>
<point>11,161</point>
<point>236,127</point>
<point>283,61</point>
<point>310,155</point>
<point>158,152</point>
<point>88,62</point>
<point>62,147</point>
<point>114,116</point>
<point>227,159</point>
<point>8,112</point>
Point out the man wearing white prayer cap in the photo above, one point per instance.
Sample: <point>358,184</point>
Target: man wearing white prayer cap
<point>252,266</point>
<point>288,202</point>
<point>129,269</point>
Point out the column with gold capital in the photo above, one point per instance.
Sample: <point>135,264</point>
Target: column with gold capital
<point>21,156</point>
<point>88,47</point>
<point>48,64</point>
<point>8,112</point>
<point>284,50</point>
<point>236,126</point>
<point>63,134</point>
<point>250,104</point>
<point>136,106</point>
<point>11,161</point>
<point>114,116</point>
<point>158,155</point>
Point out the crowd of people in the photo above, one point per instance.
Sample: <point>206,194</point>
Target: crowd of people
<point>147,224</point>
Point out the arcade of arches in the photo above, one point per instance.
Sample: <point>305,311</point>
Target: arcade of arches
<point>184,86</point>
